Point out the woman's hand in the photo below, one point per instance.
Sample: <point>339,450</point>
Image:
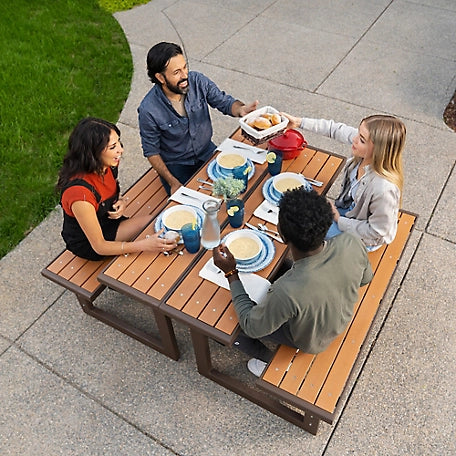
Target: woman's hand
<point>118,209</point>
<point>294,122</point>
<point>154,243</point>
<point>223,258</point>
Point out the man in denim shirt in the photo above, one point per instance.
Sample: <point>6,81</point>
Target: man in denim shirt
<point>174,120</point>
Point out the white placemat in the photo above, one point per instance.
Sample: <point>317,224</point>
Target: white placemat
<point>255,285</point>
<point>186,195</point>
<point>268,212</point>
<point>256,154</point>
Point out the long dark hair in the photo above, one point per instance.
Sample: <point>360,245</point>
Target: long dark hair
<point>85,145</point>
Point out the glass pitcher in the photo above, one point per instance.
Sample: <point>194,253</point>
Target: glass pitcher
<point>210,233</point>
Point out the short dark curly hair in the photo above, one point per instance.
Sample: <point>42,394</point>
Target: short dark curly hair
<point>158,58</point>
<point>304,218</point>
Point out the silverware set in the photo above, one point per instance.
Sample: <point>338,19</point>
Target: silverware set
<point>266,231</point>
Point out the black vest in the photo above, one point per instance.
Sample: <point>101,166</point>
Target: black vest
<point>75,239</point>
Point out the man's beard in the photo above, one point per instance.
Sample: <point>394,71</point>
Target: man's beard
<point>175,88</point>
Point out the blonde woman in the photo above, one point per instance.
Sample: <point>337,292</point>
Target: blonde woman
<point>370,197</point>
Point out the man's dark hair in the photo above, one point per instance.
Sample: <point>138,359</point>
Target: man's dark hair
<point>158,58</point>
<point>304,218</point>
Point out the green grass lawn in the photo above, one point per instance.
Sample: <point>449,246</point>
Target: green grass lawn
<point>61,60</point>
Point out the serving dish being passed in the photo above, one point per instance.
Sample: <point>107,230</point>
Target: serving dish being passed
<point>260,134</point>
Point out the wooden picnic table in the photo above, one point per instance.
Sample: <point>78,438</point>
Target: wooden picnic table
<point>171,284</point>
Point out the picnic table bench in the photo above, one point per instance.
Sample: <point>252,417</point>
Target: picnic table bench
<point>145,196</point>
<point>304,388</point>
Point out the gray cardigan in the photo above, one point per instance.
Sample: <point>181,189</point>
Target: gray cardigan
<point>374,216</point>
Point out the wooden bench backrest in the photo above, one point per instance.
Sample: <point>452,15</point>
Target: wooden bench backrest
<point>320,379</point>
<point>146,196</point>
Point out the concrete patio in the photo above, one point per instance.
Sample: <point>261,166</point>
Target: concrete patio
<point>70,385</point>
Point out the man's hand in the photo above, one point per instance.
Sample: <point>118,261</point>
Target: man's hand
<point>175,186</point>
<point>159,165</point>
<point>223,258</point>
<point>240,109</point>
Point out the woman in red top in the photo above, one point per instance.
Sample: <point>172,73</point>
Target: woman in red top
<point>94,225</point>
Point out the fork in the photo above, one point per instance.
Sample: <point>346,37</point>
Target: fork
<point>265,228</point>
<point>202,181</point>
<point>313,181</point>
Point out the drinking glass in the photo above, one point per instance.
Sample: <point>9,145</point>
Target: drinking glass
<point>274,163</point>
<point>235,210</point>
<point>191,236</point>
<point>242,173</point>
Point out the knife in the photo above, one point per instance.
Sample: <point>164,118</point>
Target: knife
<point>250,149</point>
<point>272,236</point>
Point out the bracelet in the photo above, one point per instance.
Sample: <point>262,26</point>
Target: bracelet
<point>232,272</point>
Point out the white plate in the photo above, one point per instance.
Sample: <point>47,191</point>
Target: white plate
<point>214,171</point>
<point>265,258</point>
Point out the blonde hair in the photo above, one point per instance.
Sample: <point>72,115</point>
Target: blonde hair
<point>387,133</point>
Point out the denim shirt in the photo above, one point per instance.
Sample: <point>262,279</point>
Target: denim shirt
<point>179,139</point>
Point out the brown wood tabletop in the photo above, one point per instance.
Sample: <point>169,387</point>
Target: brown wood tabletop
<point>172,283</point>
<point>205,306</point>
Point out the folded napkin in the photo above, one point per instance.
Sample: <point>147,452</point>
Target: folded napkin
<point>256,154</point>
<point>267,211</point>
<point>255,285</point>
<point>190,197</point>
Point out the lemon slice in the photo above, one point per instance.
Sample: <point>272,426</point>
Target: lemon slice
<point>271,157</point>
<point>247,170</point>
<point>232,210</point>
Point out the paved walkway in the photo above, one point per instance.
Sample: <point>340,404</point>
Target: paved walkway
<point>70,385</point>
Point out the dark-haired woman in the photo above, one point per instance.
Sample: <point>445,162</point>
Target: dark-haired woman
<point>94,225</point>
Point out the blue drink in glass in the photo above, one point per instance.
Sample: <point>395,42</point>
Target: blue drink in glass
<point>274,160</point>
<point>191,237</point>
<point>242,173</point>
<point>235,211</point>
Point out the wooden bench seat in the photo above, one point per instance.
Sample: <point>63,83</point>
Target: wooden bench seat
<point>314,383</point>
<point>145,196</point>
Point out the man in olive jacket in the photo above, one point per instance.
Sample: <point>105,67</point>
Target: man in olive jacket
<point>311,303</point>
